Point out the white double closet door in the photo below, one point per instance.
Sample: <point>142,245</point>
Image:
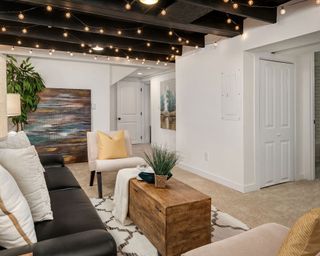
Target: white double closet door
<point>276,123</point>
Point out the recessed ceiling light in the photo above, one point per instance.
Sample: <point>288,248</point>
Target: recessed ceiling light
<point>149,2</point>
<point>97,48</point>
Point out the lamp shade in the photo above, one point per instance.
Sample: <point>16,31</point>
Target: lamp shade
<point>13,104</point>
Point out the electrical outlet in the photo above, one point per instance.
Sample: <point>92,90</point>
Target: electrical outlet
<point>206,156</point>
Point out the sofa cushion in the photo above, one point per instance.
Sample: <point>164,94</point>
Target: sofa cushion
<point>117,164</point>
<point>264,240</point>
<point>60,178</point>
<point>16,140</point>
<point>304,236</point>
<point>111,147</point>
<point>72,212</point>
<point>16,223</point>
<point>25,167</point>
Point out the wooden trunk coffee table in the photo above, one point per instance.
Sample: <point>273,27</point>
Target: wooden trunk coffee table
<point>175,219</point>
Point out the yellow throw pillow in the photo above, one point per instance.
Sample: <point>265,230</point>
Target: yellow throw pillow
<point>111,147</point>
<point>304,237</point>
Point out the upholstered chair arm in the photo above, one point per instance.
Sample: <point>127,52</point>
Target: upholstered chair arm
<point>88,243</point>
<point>50,160</point>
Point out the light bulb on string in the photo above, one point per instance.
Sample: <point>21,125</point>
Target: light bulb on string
<point>250,2</point>
<point>229,20</point>
<point>101,30</point>
<point>282,10</point>
<point>128,6</point>
<point>21,16</point>
<point>68,15</point>
<point>3,29</point>
<point>24,31</point>
<point>49,8</point>
<point>163,12</point>
<point>139,31</point>
<point>170,33</point>
<point>235,5</point>
<point>65,34</point>
<point>86,28</point>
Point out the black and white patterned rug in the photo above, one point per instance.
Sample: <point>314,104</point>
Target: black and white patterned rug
<point>131,241</point>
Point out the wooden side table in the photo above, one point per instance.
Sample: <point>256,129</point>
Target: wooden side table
<point>176,219</point>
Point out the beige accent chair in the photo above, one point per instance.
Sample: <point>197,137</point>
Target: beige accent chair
<point>264,240</point>
<point>108,165</point>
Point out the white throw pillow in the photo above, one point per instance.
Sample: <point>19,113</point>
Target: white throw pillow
<point>25,167</point>
<point>16,224</point>
<point>16,140</point>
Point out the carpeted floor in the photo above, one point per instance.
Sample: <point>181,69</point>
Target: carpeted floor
<point>282,204</point>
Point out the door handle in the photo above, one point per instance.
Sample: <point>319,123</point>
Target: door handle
<point>119,118</point>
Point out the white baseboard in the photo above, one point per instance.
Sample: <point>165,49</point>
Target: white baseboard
<point>216,178</point>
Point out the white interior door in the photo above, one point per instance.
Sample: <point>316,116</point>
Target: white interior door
<point>276,122</point>
<point>129,113</point>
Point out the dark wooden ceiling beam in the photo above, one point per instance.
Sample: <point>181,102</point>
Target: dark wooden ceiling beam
<point>75,37</point>
<point>105,9</point>
<point>260,13</point>
<point>75,48</point>
<point>110,27</point>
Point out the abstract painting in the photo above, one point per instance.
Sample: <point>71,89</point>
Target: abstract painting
<point>61,122</point>
<point>168,104</point>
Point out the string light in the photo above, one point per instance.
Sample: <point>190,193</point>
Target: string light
<point>129,49</point>
<point>30,51</point>
<point>148,44</point>
<point>282,10</point>
<point>166,64</point>
<point>170,33</point>
<point>226,1</point>
<point>86,28</point>
<point>229,20</point>
<point>196,46</point>
<point>37,45</point>
<point>237,27</point>
<point>215,44</point>
<point>139,31</point>
<point>187,41</point>
<point>84,54</point>
<point>19,42</point>
<point>68,15</point>
<point>173,48</point>
<point>180,39</point>
<point>235,5</point>
<point>90,51</point>
<point>177,51</point>
<point>83,45</point>
<point>71,54</point>
<point>65,34</point>
<point>49,8</point>
<point>21,16</point>
<point>128,6</point>
<point>111,46</point>
<point>12,48</point>
<point>50,52</point>
<point>24,31</point>
<point>116,50</point>
<point>3,29</point>
<point>101,30</point>
<point>250,2</point>
<point>95,57</point>
<point>53,50</point>
<point>317,1</point>
<point>163,12</point>
<point>119,32</point>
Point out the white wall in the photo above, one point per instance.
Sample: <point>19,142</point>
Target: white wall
<point>160,136</point>
<point>228,145</point>
<point>80,75</point>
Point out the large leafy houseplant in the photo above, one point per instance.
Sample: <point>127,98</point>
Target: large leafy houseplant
<point>24,80</point>
<point>162,161</point>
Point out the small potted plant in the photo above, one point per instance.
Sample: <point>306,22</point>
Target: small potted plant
<point>162,161</point>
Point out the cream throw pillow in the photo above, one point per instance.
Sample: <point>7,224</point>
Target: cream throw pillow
<point>304,237</point>
<point>111,147</point>
<point>16,224</point>
<point>16,140</point>
<point>25,167</point>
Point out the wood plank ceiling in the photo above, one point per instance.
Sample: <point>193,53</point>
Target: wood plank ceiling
<point>141,32</point>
